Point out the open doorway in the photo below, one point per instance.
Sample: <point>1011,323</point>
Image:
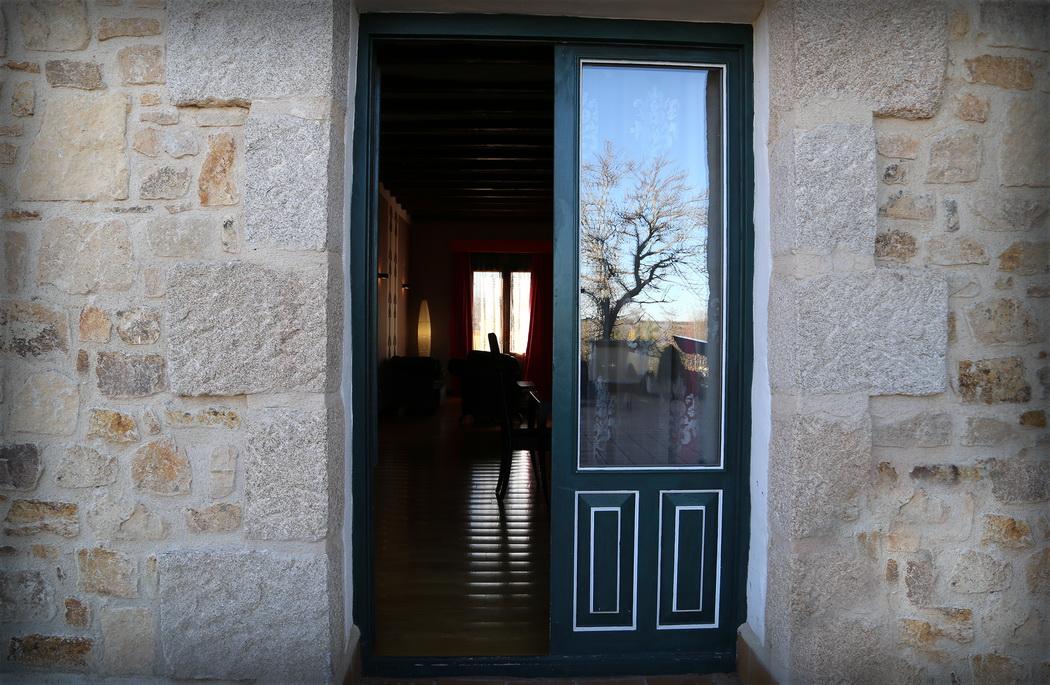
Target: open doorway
<point>464,244</point>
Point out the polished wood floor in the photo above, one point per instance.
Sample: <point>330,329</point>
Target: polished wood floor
<point>456,573</point>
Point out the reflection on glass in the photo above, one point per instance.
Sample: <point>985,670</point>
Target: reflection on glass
<point>487,314</point>
<point>650,265</point>
<point>520,296</point>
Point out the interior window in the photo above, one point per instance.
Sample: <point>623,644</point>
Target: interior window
<point>487,308</point>
<point>520,294</point>
<point>500,305</point>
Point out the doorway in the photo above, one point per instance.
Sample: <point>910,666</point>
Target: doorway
<point>627,143</point>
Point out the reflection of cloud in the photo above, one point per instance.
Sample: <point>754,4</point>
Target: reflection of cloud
<point>589,121</point>
<point>655,122</point>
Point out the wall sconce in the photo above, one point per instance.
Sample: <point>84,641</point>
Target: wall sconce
<point>406,286</point>
<point>423,330</point>
<point>383,275</point>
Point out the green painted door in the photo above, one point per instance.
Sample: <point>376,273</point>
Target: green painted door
<point>650,363</point>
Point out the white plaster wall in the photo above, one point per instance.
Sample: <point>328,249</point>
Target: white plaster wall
<point>761,412</point>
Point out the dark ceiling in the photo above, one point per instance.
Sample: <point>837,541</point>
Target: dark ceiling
<point>467,129</point>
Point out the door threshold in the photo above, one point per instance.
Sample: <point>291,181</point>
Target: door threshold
<point>602,665</point>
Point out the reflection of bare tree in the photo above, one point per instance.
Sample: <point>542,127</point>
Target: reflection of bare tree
<point>639,231</point>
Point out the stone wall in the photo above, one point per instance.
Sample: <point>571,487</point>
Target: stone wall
<point>909,460</point>
<point>171,318</point>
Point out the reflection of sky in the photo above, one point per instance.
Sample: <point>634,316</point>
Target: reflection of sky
<point>646,112</point>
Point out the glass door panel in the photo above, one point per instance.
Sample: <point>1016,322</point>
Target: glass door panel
<point>650,226</point>
<point>641,253</point>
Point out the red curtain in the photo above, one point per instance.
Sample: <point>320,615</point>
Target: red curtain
<point>539,353</point>
<point>460,334</point>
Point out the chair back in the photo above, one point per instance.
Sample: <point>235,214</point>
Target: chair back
<point>493,343</point>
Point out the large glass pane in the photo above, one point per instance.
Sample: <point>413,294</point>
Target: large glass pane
<point>487,314</point>
<point>650,265</point>
<point>520,299</point>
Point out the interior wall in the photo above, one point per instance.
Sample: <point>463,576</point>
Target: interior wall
<point>430,267</point>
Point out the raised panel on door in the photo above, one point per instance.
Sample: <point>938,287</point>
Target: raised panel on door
<point>606,561</point>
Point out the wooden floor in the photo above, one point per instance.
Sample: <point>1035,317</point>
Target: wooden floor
<point>457,574</point>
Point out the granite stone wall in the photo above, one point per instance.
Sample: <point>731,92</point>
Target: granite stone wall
<point>172,465</point>
<point>909,459</point>
<point>171,475</point>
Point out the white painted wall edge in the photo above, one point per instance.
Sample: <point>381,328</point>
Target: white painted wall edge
<point>761,399</point>
<point>345,388</point>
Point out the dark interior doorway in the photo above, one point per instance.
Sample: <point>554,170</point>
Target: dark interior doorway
<point>466,174</point>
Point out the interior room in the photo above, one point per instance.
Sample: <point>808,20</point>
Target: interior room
<point>464,314</point>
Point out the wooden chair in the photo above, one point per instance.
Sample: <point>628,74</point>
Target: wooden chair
<point>533,436</point>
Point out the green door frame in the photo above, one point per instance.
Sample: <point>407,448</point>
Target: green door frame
<point>731,40</point>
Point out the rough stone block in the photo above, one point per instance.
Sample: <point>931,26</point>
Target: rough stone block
<point>179,144</point>
<point>1004,320</point>
<point>161,468</point>
<point>834,192</point>
<point>1025,146</point>
<point>94,325</point>
<point>125,376</point>
<point>895,246</point>
<point>77,613</point>
<point>897,145</point>
<point>138,325</point>
<point>174,236</point>
<point>68,73</point>
<point>1023,24</point>
<point>1014,73</point>
<point>106,572</point>
<point>78,153</point>
<point>953,251</point>
<point>1037,573</point>
<point>25,596</point>
<point>32,517</point>
<point>141,65</point>
<point>112,426</point>
<point>119,27</point>
<point>1023,478</point>
<point>902,205</point>
<point>821,465</point>
<point>286,477</point>
<point>1026,258</point>
<point>890,55</point>
<point>273,335</point>
<point>992,381</point>
<point>881,331</point>
<point>54,26</point>
<point>955,157</point>
<point>999,212</point>
<point>115,520</point>
<point>216,184</point>
<point>286,181</point>
<point>127,641</point>
<point>83,467</point>
<point>1005,531</point>
<point>51,651</point>
<point>48,402</point>
<point>218,518</point>
<point>165,183</point>
<point>20,466</point>
<point>32,330</point>
<point>284,50</point>
<point>271,624</point>
<point>81,257</point>
<point>977,573</point>
<point>926,429</point>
